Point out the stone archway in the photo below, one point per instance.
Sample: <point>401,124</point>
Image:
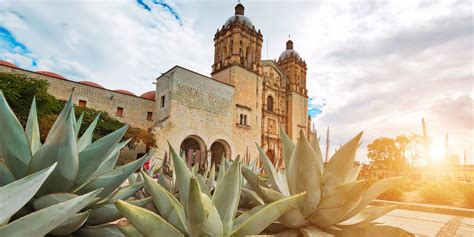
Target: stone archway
<point>193,149</point>
<point>218,149</point>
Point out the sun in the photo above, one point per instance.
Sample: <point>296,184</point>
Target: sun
<point>437,154</point>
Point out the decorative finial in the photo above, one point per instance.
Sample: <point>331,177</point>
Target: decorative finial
<point>239,9</point>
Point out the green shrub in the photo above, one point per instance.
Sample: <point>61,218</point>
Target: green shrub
<point>437,192</point>
<point>393,194</point>
<point>467,190</point>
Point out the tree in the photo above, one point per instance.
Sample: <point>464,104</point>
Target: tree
<point>411,148</point>
<point>385,151</point>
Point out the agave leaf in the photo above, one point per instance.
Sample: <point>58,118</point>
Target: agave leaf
<point>275,180</point>
<point>252,196</point>
<point>354,173</point>
<point>15,195</point>
<point>253,180</point>
<point>109,163</point>
<point>86,138</point>
<point>168,206</point>
<point>378,230</point>
<point>257,219</point>
<point>123,193</point>
<point>34,224</point>
<point>32,128</point>
<point>318,153</point>
<point>339,167</point>
<point>222,168</point>
<point>129,230</point>
<point>313,231</point>
<point>293,217</point>
<point>61,147</point>
<point>304,174</point>
<point>79,123</point>
<point>106,230</point>
<point>374,190</point>
<point>145,221</point>
<point>132,178</point>
<point>363,218</point>
<point>288,147</point>
<point>211,181</point>
<point>203,217</point>
<point>72,224</point>
<point>6,175</point>
<point>91,157</point>
<point>183,176</point>
<point>109,212</point>
<point>112,179</point>
<point>51,199</point>
<point>14,146</point>
<point>227,194</point>
<point>202,185</point>
<point>338,203</point>
<point>62,117</point>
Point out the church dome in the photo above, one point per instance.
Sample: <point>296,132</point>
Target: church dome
<point>90,83</point>
<point>50,74</point>
<point>8,64</point>
<point>289,52</point>
<point>239,16</point>
<point>149,95</point>
<point>125,92</point>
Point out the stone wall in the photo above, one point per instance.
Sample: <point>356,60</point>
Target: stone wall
<point>248,93</point>
<point>198,107</point>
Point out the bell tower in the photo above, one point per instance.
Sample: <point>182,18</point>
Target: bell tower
<point>294,67</point>
<point>238,43</point>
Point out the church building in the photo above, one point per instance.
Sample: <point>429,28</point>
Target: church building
<point>243,103</point>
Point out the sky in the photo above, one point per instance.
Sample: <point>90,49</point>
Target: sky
<point>373,66</point>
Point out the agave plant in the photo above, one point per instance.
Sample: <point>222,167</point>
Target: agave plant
<point>336,202</point>
<point>80,166</point>
<point>197,212</point>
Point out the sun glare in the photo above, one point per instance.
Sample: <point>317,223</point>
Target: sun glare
<point>437,154</point>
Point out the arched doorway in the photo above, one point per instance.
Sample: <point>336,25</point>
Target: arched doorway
<point>219,149</point>
<point>193,149</point>
<point>271,156</point>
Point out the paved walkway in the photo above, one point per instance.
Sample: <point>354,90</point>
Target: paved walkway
<point>430,224</point>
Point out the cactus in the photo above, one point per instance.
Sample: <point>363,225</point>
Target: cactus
<point>335,202</point>
<point>198,213</point>
<point>75,166</point>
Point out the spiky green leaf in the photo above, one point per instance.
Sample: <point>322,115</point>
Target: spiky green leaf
<point>227,194</point>
<point>106,230</point>
<point>256,220</point>
<point>15,195</point>
<point>304,174</point>
<point>145,221</point>
<point>288,147</point>
<point>109,212</point>
<point>339,167</point>
<point>6,175</point>
<point>32,128</point>
<point>168,206</point>
<point>364,217</point>
<point>14,147</point>
<point>275,180</point>
<point>71,224</point>
<point>86,138</point>
<point>183,176</point>
<point>34,224</point>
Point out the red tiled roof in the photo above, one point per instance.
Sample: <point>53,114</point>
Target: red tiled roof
<point>50,74</point>
<point>149,95</point>
<point>125,92</point>
<point>90,83</point>
<point>8,64</point>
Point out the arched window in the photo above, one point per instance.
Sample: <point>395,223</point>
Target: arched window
<point>241,119</point>
<point>245,119</point>
<point>270,103</point>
